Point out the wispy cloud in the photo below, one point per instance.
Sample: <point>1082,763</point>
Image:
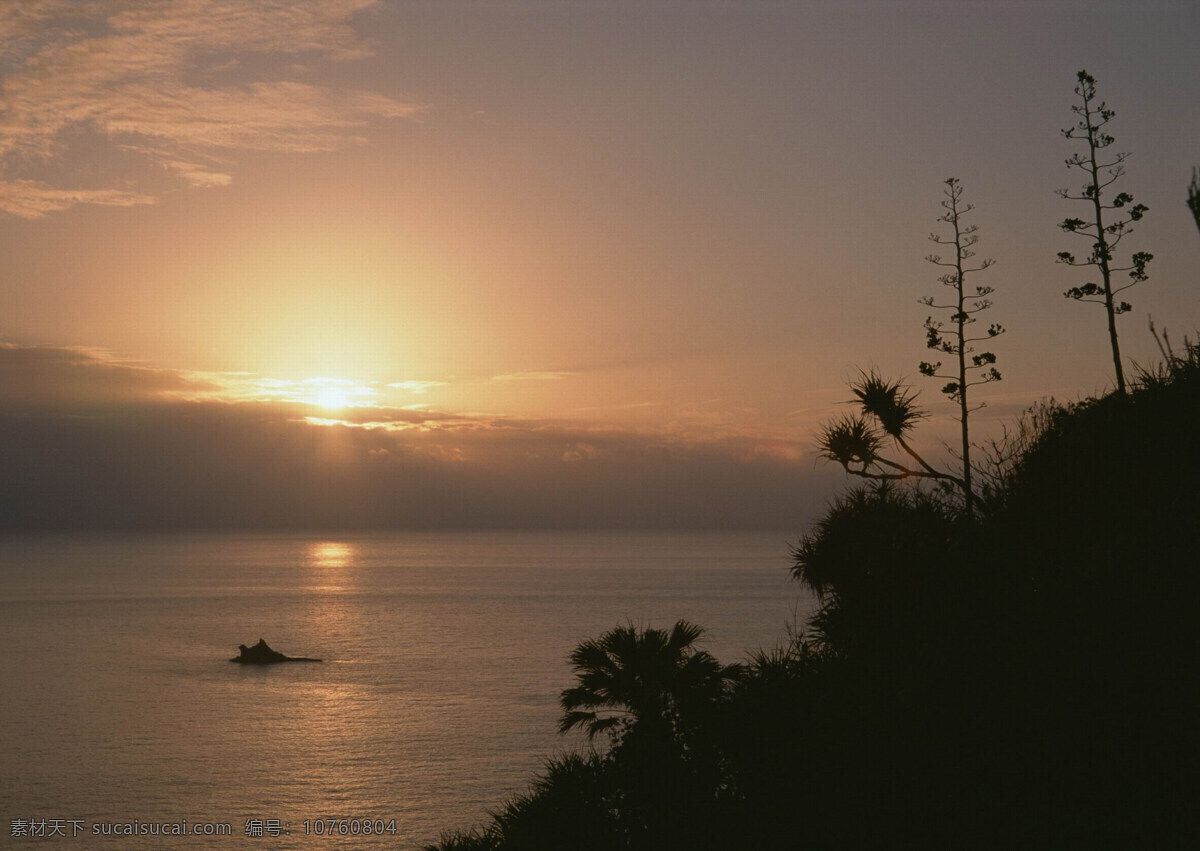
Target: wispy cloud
<point>31,199</point>
<point>628,406</point>
<point>417,386</point>
<point>532,376</point>
<point>164,80</point>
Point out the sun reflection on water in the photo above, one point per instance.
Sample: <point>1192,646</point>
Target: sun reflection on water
<point>332,567</point>
<point>331,554</point>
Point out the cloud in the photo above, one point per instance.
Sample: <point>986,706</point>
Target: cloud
<point>531,376</point>
<point>31,199</point>
<point>76,379</point>
<point>417,386</point>
<point>165,79</point>
<point>88,441</point>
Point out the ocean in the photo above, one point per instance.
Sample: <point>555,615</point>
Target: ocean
<point>444,655</point>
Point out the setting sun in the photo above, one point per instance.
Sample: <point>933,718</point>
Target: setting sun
<point>333,398</point>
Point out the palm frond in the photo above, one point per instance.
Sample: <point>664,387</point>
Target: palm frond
<point>630,678</point>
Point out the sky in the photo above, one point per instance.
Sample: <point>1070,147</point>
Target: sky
<point>364,263</point>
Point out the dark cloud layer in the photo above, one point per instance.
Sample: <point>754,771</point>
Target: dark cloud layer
<point>86,443</point>
<point>73,379</point>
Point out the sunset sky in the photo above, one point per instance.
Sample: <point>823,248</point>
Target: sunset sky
<point>375,263</point>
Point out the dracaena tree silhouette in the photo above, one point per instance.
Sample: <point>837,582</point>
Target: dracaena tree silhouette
<point>887,409</point>
<point>1105,234</point>
<point>969,368</point>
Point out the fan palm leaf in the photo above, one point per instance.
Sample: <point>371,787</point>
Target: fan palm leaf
<point>630,677</point>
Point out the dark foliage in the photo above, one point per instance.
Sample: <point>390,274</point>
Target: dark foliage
<point>570,806</point>
<point>1041,693</point>
<point>1098,554</point>
<point>648,681</point>
<point>911,551</point>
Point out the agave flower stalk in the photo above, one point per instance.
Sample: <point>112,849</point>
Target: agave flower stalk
<point>971,368</point>
<point>1105,236</point>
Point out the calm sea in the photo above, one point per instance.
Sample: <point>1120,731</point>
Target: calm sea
<point>444,656</point>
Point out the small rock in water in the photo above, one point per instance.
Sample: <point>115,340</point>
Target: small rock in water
<point>262,654</point>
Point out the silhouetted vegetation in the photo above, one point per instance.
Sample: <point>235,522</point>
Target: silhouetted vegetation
<point>1015,669</point>
<point>1105,237</point>
<point>1042,694</point>
<point>1193,199</point>
<point>887,409</point>
<point>644,683</point>
<point>956,342</point>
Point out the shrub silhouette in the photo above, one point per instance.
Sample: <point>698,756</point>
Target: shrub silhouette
<point>567,807</point>
<point>884,583</point>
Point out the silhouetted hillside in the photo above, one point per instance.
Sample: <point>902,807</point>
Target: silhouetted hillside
<point>1096,553</point>
<point>1026,680</point>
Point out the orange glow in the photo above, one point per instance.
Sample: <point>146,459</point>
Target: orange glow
<point>331,554</point>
